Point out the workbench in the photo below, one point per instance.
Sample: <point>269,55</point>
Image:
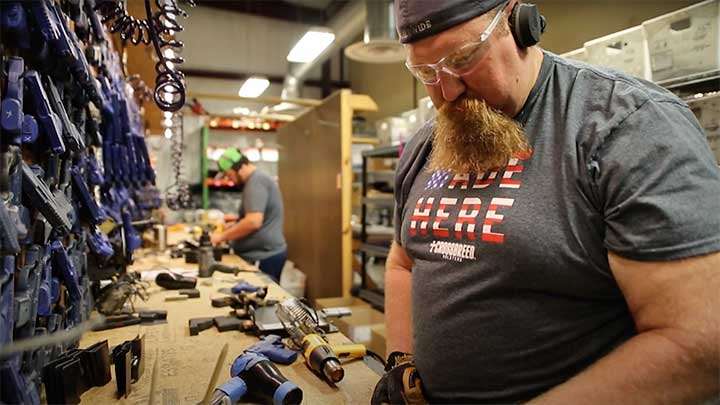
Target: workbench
<point>185,363</point>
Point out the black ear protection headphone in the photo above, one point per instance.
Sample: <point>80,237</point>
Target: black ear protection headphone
<point>526,24</point>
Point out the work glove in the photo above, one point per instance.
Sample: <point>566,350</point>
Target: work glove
<point>401,382</point>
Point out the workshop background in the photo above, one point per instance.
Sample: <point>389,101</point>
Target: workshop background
<point>110,178</point>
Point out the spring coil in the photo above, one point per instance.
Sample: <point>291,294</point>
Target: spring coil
<point>299,318</point>
<point>178,194</point>
<point>158,29</point>
<point>115,16</point>
<point>170,82</point>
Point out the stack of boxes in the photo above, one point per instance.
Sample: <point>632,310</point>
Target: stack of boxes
<point>677,47</point>
<point>399,130</point>
<point>366,325</point>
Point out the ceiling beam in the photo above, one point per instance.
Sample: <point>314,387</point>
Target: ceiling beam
<point>333,7</point>
<point>224,75</point>
<point>277,9</point>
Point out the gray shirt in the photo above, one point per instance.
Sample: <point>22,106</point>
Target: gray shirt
<point>512,293</point>
<point>261,194</point>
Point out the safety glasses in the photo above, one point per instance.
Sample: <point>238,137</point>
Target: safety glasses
<point>462,60</point>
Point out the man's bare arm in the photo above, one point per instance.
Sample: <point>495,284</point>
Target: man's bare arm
<point>675,357</point>
<point>251,222</point>
<point>398,280</point>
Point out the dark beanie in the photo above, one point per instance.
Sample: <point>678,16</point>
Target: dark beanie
<point>418,19</point>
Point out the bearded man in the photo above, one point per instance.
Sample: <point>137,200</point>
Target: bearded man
<point>557,226</point>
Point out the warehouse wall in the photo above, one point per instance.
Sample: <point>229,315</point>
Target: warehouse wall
<point>571,23</point>
<point>219,40</point>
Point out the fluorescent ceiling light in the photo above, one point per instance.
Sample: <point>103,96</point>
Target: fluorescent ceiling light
<point>254,86</point>
<point>311,45</point>
<point>241,111</point>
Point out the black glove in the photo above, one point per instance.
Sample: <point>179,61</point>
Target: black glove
<point>401,383</point>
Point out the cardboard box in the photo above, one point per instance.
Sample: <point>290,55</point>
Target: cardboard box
<point>578,54</point>
<point>357,327</point>
<point>684,42</point>
<point>340,302</point>
<point>707,111</point>
<point>625,51</point>
<point>377,340</point>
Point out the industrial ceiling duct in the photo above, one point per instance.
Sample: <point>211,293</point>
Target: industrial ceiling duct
<point>346,25</point>
<point>380,43</point>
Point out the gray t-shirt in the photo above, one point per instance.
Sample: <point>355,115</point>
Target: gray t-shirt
<point>261,194</point>
<point>512,293</point>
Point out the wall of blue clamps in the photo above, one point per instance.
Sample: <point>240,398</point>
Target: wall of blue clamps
<point>74,177</point>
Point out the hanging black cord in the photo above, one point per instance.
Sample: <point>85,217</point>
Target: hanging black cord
<point>159,30</point>
<point>118,20</point>
<point>169,82</point>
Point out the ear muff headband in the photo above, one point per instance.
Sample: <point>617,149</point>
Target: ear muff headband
<point>526,24</point>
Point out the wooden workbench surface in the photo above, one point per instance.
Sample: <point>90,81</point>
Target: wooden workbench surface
<point>186,362</point>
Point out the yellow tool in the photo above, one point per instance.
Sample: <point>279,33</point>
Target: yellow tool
<point>320,356</point>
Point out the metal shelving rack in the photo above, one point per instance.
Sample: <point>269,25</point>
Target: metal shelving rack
<point>696,88</point>
<point>374,296</point>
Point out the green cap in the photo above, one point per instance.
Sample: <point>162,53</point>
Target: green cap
<point>229,158</point>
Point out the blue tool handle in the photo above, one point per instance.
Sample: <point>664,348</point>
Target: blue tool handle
<point>132,239</point>
<point>45,297</point>
<point>63,44</point>
<point>49,121</point>
<point>281,355</point>
<point>243,287</point>
<point>45,21</point>
<point>95,24</point>
<point>282,392</point>
<point>99,245</point>
<point>72,136</point>
<point>42,199</point>
<point>95,175</point>
<point>8,232</point>
<point>11,118</point>
<point>14,22</point>
<point>67,270</point>
<point>272,347</point>
<point>235,388</point>
<point>30,130</point>
<point>87,201</point>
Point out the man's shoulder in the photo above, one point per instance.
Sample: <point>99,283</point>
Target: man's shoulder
<point>601,99</point>
<point>605,86</point>
<point>261,177</point>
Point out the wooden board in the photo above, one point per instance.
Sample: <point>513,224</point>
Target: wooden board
<point>315,176</point>
<point>309,175</point>
<point>186,362</point>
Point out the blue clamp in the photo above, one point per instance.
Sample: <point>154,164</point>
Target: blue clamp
<point>272,347</point>
<point>242,287</point>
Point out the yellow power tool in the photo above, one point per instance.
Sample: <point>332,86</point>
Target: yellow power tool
<point>320,356</point>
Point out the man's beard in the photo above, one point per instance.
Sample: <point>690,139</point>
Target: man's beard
<point>472,137</point>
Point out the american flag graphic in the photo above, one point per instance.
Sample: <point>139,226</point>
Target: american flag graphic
<point>438,179</point>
